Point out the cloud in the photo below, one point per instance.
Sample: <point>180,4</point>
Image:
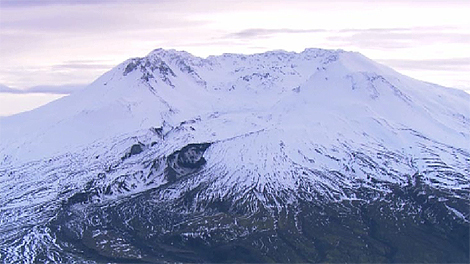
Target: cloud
<point>28,27</point>
<point>385,30</point>
<point>264,32</point>
<point>24,79</point>
<point>379,38</point>
<point>66,72</point>
<point>56,89</point>
<point>372,30</point>
<point>79,65</point>
<point>44,89</point>
<point>6,89</point>
<point>448,64</point>
<point>22,3</point>
<point>398,38</point>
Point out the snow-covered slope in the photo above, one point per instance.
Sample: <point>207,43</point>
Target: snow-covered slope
<point>172,86</point>
<point>252,132</point>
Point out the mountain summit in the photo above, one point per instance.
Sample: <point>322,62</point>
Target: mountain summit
<point>318,156</point>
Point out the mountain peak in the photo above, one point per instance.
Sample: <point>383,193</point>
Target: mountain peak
<point>170,53</point>
<point>278,156</point>
<point>279,65</point>
<point>174,86</point>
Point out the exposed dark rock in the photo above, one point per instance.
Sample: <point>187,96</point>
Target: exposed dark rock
<point>131,66</point>
<point>191,155</point>
<point>158,131</point>
<point>185,161</point>
<point>397,228</point>
<point>135,149</point>
<point>80,197</point>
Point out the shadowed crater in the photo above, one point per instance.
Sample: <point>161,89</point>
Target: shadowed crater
<point>185,161</point>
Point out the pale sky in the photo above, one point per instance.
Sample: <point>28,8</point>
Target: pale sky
<point>51,43</point>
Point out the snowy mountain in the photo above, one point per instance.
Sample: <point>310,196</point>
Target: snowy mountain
<point>318,156</point>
